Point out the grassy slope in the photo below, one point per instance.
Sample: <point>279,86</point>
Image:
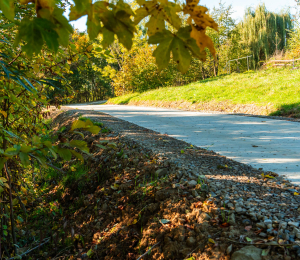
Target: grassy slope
<point>279,88</point>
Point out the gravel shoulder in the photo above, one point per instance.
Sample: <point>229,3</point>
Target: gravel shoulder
<point>260,208</point>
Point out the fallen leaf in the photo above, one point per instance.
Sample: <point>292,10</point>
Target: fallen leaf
<point>258,231</point>
<point>224,225</point>
<point>271,238</point>
<point>210,240</point>
<point>296,193</point>
<point>165,221</point>
<point>265,252</point>
<point>248,228</point>
<point>248,239</point>
<point>269,176</point>
<point>229,249</point>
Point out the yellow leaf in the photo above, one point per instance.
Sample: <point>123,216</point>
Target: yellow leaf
<point>296,193</point>
<point>133,222</point>
<point>210,240</point>
<point>270,177</point>
<point>3,113</point>
<point>202,40</point>
<point>89,48</point>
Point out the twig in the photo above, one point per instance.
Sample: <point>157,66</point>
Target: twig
<point>60,252</point>
<point>9,177</point>
<point>18,55</point>
<point>259,244</point>
<point>192,252</point>
<point>148,251</point>
<point>28,251</point>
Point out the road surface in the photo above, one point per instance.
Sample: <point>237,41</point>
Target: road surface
<point>273,145</point>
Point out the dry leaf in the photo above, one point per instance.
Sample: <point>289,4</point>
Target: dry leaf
<point>210,240</point>
<point>248,228</point>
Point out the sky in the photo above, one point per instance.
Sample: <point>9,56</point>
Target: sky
<point>238,8</point>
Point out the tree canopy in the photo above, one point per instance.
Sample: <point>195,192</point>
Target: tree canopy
<point>115,19</point>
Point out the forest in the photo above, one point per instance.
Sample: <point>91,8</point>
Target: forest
<point>128,47</point>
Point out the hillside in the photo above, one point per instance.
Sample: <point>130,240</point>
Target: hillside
<point>265,92</point>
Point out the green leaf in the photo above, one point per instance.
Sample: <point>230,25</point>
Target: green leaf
<point>163,50</point>
<point>2,162</point>
<point>77,124</point>
<point>81,145</point>
<point>180,44</point>
<point>79,133</point>
<point>93,28</point>
<point>101,146</point>
<point>35,33</point>
<point>64,153</point>
<point>77,155</point>
<point>8,8</point>
<point>53,153</point>
<point>24,158</point>
<point>62,26</point>
<point>181,55</point>
<point>94,129</point>
<point>82,5</point>
<point>48,144</point>
<point>89,253</point>
<point>108,38</point>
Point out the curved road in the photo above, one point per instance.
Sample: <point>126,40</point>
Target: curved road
<point>273,145</point>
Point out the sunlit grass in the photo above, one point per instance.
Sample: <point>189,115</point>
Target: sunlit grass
<point>279,87</point>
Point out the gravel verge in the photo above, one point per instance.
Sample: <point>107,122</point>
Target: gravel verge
<point>263,205</point>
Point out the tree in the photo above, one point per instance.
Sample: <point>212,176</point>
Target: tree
<point>111,19</point>
<point>264,32</point>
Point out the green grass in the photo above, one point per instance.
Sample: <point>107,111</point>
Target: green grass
<point>278,89</point>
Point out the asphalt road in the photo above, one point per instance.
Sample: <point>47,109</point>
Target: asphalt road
<point>273,145</point>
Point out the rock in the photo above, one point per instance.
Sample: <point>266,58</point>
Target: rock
<point>161,172</point>
<point>231,219</point>
<point>268,222</point>
<point>135,161</point>
<point>293,224</point>
<point>192,183</point>
<point>283,224</point>
<point>247,253</point>
<point>203,216</point>
<point>286,236</point>
<point>162,195</point>
<point>261,225</point>
<point>262,234</point>
<point>190,241</point>
<point>195,193</point>
<point>202,177</point>
<point>238,210</point>
<point>230,205</point>
<point>104,207</point>
<point>229,249</point>
<point>246,222</point>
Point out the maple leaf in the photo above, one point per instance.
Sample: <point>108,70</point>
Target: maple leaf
<point>181,45</point>
<point>159,13</point>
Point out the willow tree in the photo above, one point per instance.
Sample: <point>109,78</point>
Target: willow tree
<point>264,32</point>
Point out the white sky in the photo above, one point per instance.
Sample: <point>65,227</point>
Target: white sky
<point>238,7</point>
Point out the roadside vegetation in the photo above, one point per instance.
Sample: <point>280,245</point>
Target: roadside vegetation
<point>65,185</point>
<point>270,91</point>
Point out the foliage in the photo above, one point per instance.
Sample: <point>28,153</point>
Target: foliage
<point>137,72</point>
<point>264,32</point>
<point>111,19</point>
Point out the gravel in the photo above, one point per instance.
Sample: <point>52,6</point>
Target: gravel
<point>232,187</point>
